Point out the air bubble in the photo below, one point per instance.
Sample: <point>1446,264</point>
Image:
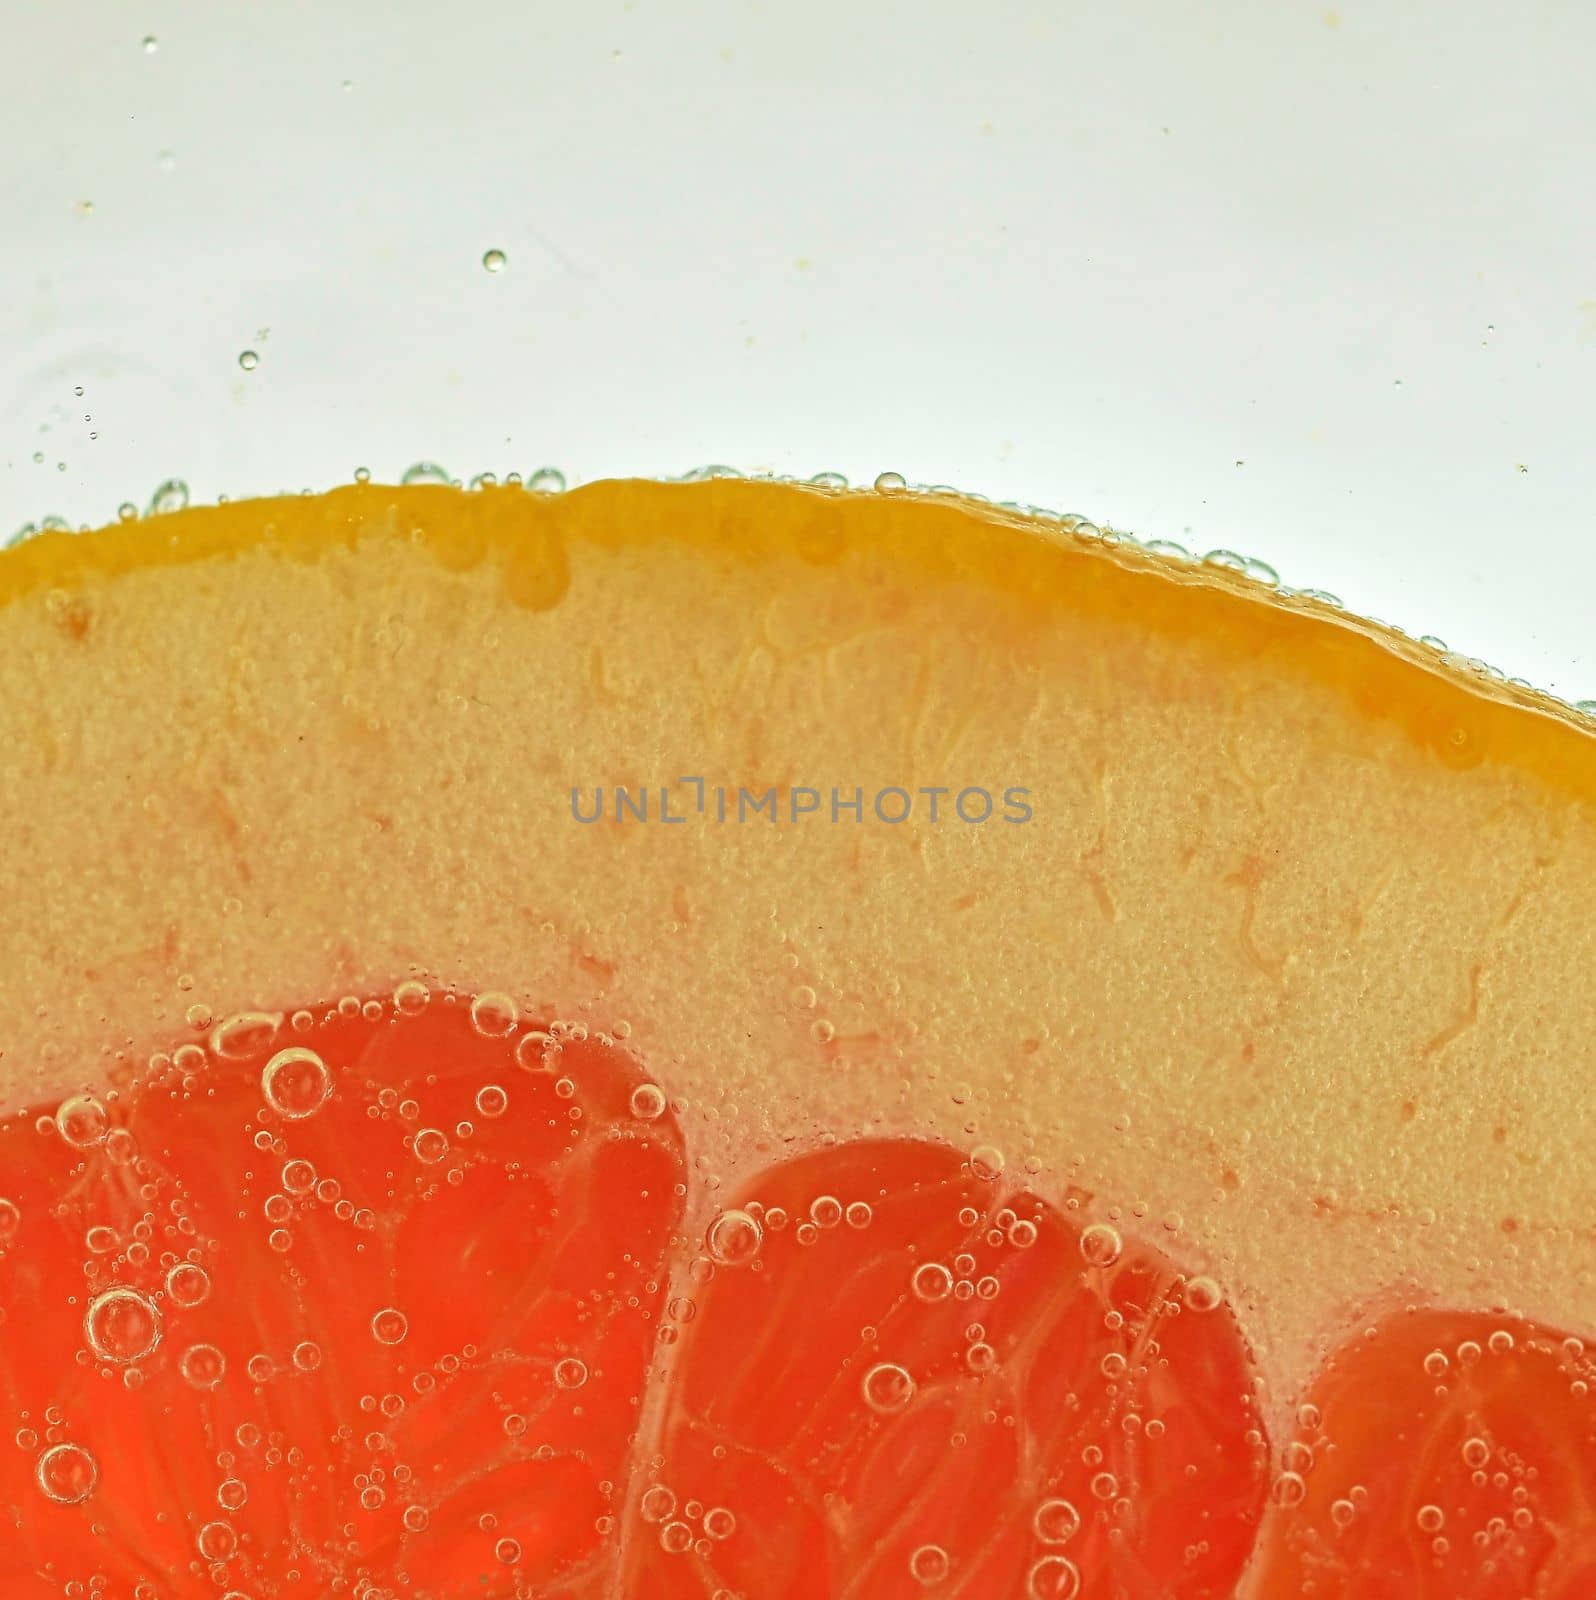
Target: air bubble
<point>492,1101</point>
<point>81,1121</point>
<point>494,1014</point>
<point>203,1366</point>
<point>657,1503</point>
<point>887,1388</point>
<point>1288,1489</point>
<point>411,997</point>
<point>246,1034</point>
<point>1431,1519</point>
<point>216,1541</point>
<point>495,260</point>
<point>675,1538</point>
<point>170,496</point>
<point>248,360</point>
<point>1101,1244</point>
<point>986,1162</point>
<point>232,1494</point>
<point>858,1215</point>
<point>1202,1294</point>
<point>719,1523</point>
<point>826,1211</point>
<point>189,1284</point>
<point>890,482</point>
<point>929,1565</point>
<point>570,1373</point>
<point>431,1145</point>
<point>298,1176</point>
<point>546,480</point>
<point>1053,1578</point>
<point>734,1238</point>
<point>67,1473</point>
<point>507,1552</point>
<point>1476,1453</point>
<point>10,1221</point>
<point>1056,1522</point>
<point>931,1282</point>
<point>296,1083</point>
<point>424,472</point>
<point>389,1326</point>
<point>648,1101</point>
<point>534,1051</point>
<point>122,1326</point>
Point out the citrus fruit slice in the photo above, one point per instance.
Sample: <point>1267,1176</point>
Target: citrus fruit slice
<point>1250,931</point>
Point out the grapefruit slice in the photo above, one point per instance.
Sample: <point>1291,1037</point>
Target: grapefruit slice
<point>890,840</point>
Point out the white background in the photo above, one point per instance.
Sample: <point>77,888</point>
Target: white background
<point>1313,281</point>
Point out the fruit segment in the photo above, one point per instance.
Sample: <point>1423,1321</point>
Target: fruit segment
<point>902,1374</point>
<point>1440,1457</point>
<point>353,1295</point>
